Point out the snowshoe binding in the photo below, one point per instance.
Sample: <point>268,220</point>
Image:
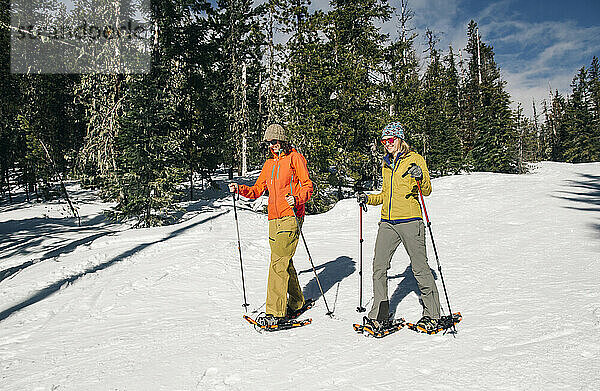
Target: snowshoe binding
<point>431,326</point>
<point>272,323</point>
<point>379,328</point>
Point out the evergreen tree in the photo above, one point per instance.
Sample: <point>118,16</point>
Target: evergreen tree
<point>198,111</point>
<point>594,87</point>
<point>240,44</point>
<point>356,45</point>
<point>48,128</point>
<point>571,132</point>
<point>440,142</point>
<point>309,94</point>
<point>137,124</point>
<point>594,83</point>
<point>554,116</point>
<point>335,91</point>
<point>580,142</point>
<point>527,140</point>
<point>8,103</point>
<point>274,22</point>
<point>149,144</point>
<point>401,80</point>
<point>491,133</point>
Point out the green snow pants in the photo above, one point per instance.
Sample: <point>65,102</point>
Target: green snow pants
<point>412,235</point>
<point>283,280</point>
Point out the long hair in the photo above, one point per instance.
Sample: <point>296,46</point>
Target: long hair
<point>285,146</point>
<point>404,148</point>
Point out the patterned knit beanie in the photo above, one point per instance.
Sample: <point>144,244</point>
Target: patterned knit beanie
<point>393,129</point>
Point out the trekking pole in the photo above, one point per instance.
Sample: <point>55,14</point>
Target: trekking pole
<point>245,305</point>
<point>436,254</point>
<point>360,308</point>
<point>330,313</point>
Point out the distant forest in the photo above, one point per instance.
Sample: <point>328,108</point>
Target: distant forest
<point>219,74</point>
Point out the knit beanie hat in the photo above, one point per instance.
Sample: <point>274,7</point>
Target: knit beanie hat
<point>275,132</point>
<point>393,129</point>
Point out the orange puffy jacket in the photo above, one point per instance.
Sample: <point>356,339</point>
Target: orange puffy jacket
<point>282,175</point>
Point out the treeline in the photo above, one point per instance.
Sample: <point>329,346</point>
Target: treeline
<point>571,128</point>
<point>221,73</point>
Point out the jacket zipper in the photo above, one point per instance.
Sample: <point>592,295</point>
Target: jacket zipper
<point>392,188</point>
<point>273,183</point>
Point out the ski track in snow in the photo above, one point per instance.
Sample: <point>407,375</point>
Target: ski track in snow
<point>104,307</point>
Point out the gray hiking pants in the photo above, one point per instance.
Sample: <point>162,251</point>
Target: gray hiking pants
<point>412,235</point>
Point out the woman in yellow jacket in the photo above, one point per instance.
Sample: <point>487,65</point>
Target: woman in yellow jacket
<point>285,176</point>
<point>401,222</point>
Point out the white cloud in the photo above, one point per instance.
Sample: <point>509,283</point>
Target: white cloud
<point>525,91</point>
<point>545,53</point>
<point>531,55</point>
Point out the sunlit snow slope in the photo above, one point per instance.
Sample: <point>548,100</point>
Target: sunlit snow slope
<point>105,307</point>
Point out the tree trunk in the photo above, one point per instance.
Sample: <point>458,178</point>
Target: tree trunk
<point>478,59</point>
<point>62,185</point>
<point>244,124</point>
<point>191,182</point>
<point>8,185</point>
<point>26,175</point>
<point>520,132</point>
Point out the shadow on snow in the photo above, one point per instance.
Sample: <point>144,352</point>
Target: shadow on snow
<point>22,237</point>
<point>53,254</point>
<point>330,274</point>
<point>586,193</point>
<point>49,290</point>
<point>405,287</point>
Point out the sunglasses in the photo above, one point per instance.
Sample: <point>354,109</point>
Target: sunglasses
<point>388,141</point>
<point>272,142</point>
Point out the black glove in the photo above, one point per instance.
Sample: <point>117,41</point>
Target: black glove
<point>362,198</point>
<point>416,172</point>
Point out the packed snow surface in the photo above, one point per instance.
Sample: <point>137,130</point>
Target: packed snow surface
<point>108,307</point>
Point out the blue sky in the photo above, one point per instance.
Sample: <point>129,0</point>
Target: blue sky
<point>538,44</point>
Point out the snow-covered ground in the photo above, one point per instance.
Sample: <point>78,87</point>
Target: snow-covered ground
<point>106,307</point>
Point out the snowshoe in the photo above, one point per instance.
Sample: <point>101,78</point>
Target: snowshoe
<point>379,328</point>
<point>426,324</point>
<point>271,323</point>
<point>308,304</point>
<point>270,320</point>
<point>430,326</point>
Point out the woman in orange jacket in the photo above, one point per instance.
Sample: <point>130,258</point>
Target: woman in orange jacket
<point>285,176</point>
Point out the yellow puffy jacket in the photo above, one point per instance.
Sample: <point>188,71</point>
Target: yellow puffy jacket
<point>399,195</point>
